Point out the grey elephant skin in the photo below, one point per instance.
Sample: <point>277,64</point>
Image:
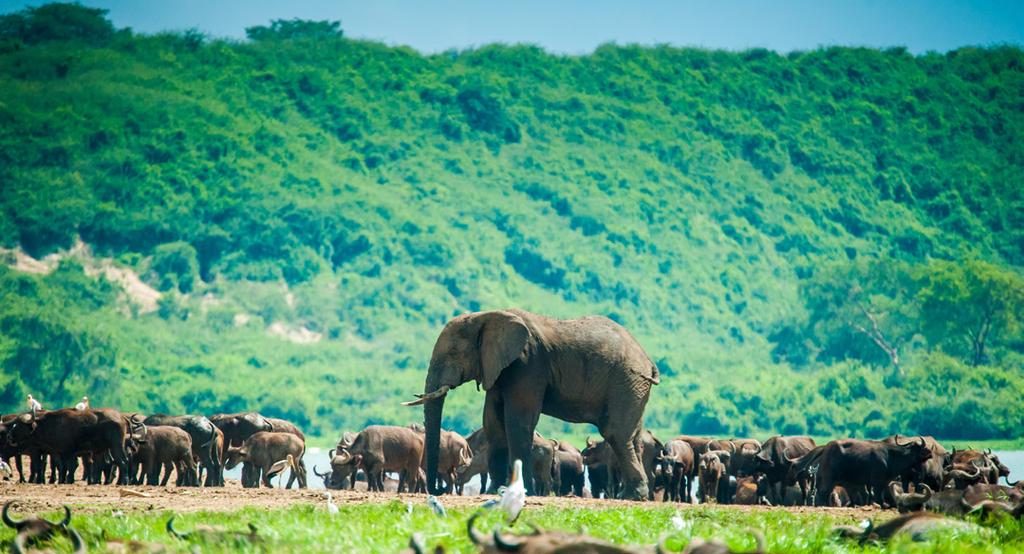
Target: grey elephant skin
<point>588,370</point>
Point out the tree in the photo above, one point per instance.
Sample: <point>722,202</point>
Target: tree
<point>861,310</point>
<point>58,21</point>
<point>281,29</point>
<point>969,305</point>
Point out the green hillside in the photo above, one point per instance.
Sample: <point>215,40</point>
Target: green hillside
<point>775,229</point>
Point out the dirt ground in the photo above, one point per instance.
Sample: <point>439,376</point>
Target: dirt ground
<point>85,498</point>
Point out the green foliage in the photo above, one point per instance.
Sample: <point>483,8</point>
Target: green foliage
<point>317,207</point>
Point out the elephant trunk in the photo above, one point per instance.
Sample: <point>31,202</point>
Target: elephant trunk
<point>432,411</point>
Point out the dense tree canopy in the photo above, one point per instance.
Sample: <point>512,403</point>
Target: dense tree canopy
<point>824,242</point>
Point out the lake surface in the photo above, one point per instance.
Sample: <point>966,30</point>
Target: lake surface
<point>318,457</point>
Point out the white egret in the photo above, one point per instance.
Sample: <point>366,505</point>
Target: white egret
<point>513,497</point>
<point>33,404</point>
<point>83,405</point>
<point>5,470</point>
<point>436,505</point>
<point>331,508</point>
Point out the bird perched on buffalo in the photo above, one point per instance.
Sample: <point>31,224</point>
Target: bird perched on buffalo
<point>33,404</point>
<point>83,405</point>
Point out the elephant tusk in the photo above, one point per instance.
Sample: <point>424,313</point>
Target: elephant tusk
<point>421,398</point>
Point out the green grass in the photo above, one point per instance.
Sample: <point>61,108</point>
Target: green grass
<point>387,528</point>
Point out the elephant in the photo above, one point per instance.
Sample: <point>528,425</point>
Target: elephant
<point>587,370</point>
<point>265,451</point>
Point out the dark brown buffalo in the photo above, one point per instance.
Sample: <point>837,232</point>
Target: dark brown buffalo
<point>381,448</point>
<point>35,530</point>
<point>541,542</point>
<point>601,469</point>
<point>67,433</point>
<point>918,526</point>
<point>568,470</point>
<point>602,465</point>
<point>203,435</point>
<point>929,472</point>
<point>677,469</point>
<point>774,460</point>
<point>965,475</point>
<point>954,502</point>
<point>712,470</point>
<point>477,466</point>
<point>991,467</point>
<point>164,447</point>
<point>857,463</point>
<point>454,454</point>
<point>269,453</point>
<point>742,454</point>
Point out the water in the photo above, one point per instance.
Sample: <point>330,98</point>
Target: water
<point>318,457</point>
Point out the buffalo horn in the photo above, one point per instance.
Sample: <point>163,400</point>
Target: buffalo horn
<point>344,457</point>
<point>922,441</point>
<point>504,545</point>
<point>421,398</point>
<point>67,518</point>
<point>330,454</point>
<point>474,536</point>
<point>76,541</point>
<point>7,517</point>
<point>988,451</point>
<point>317,473</point>
<point>170,529</point>
<point>1013,484</point>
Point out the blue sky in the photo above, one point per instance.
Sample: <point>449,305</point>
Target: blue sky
<point>578,26</point>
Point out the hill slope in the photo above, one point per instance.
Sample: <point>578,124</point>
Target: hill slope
<point>314,208</point>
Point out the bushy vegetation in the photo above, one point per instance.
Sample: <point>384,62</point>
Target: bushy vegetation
<point>825,242</point>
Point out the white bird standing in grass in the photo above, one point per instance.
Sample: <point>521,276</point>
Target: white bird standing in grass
<point>33,404</point>
<point>83,405</point>
<point>436,505</point>
<point>331,508</point>
<point>5,470</point>
<point>513,497</point>
<point>678,523</point>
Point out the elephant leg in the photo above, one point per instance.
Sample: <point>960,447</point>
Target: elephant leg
<point>497,444</point>
<point>634,481</point>
<point>519,426</point>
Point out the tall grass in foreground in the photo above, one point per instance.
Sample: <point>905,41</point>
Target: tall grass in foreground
<point>387,528</point>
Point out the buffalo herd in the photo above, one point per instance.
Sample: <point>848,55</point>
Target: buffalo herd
<point>134,449</point>
<point>909,473</point>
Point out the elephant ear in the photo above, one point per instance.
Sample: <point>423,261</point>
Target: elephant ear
<point>503,337</point>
